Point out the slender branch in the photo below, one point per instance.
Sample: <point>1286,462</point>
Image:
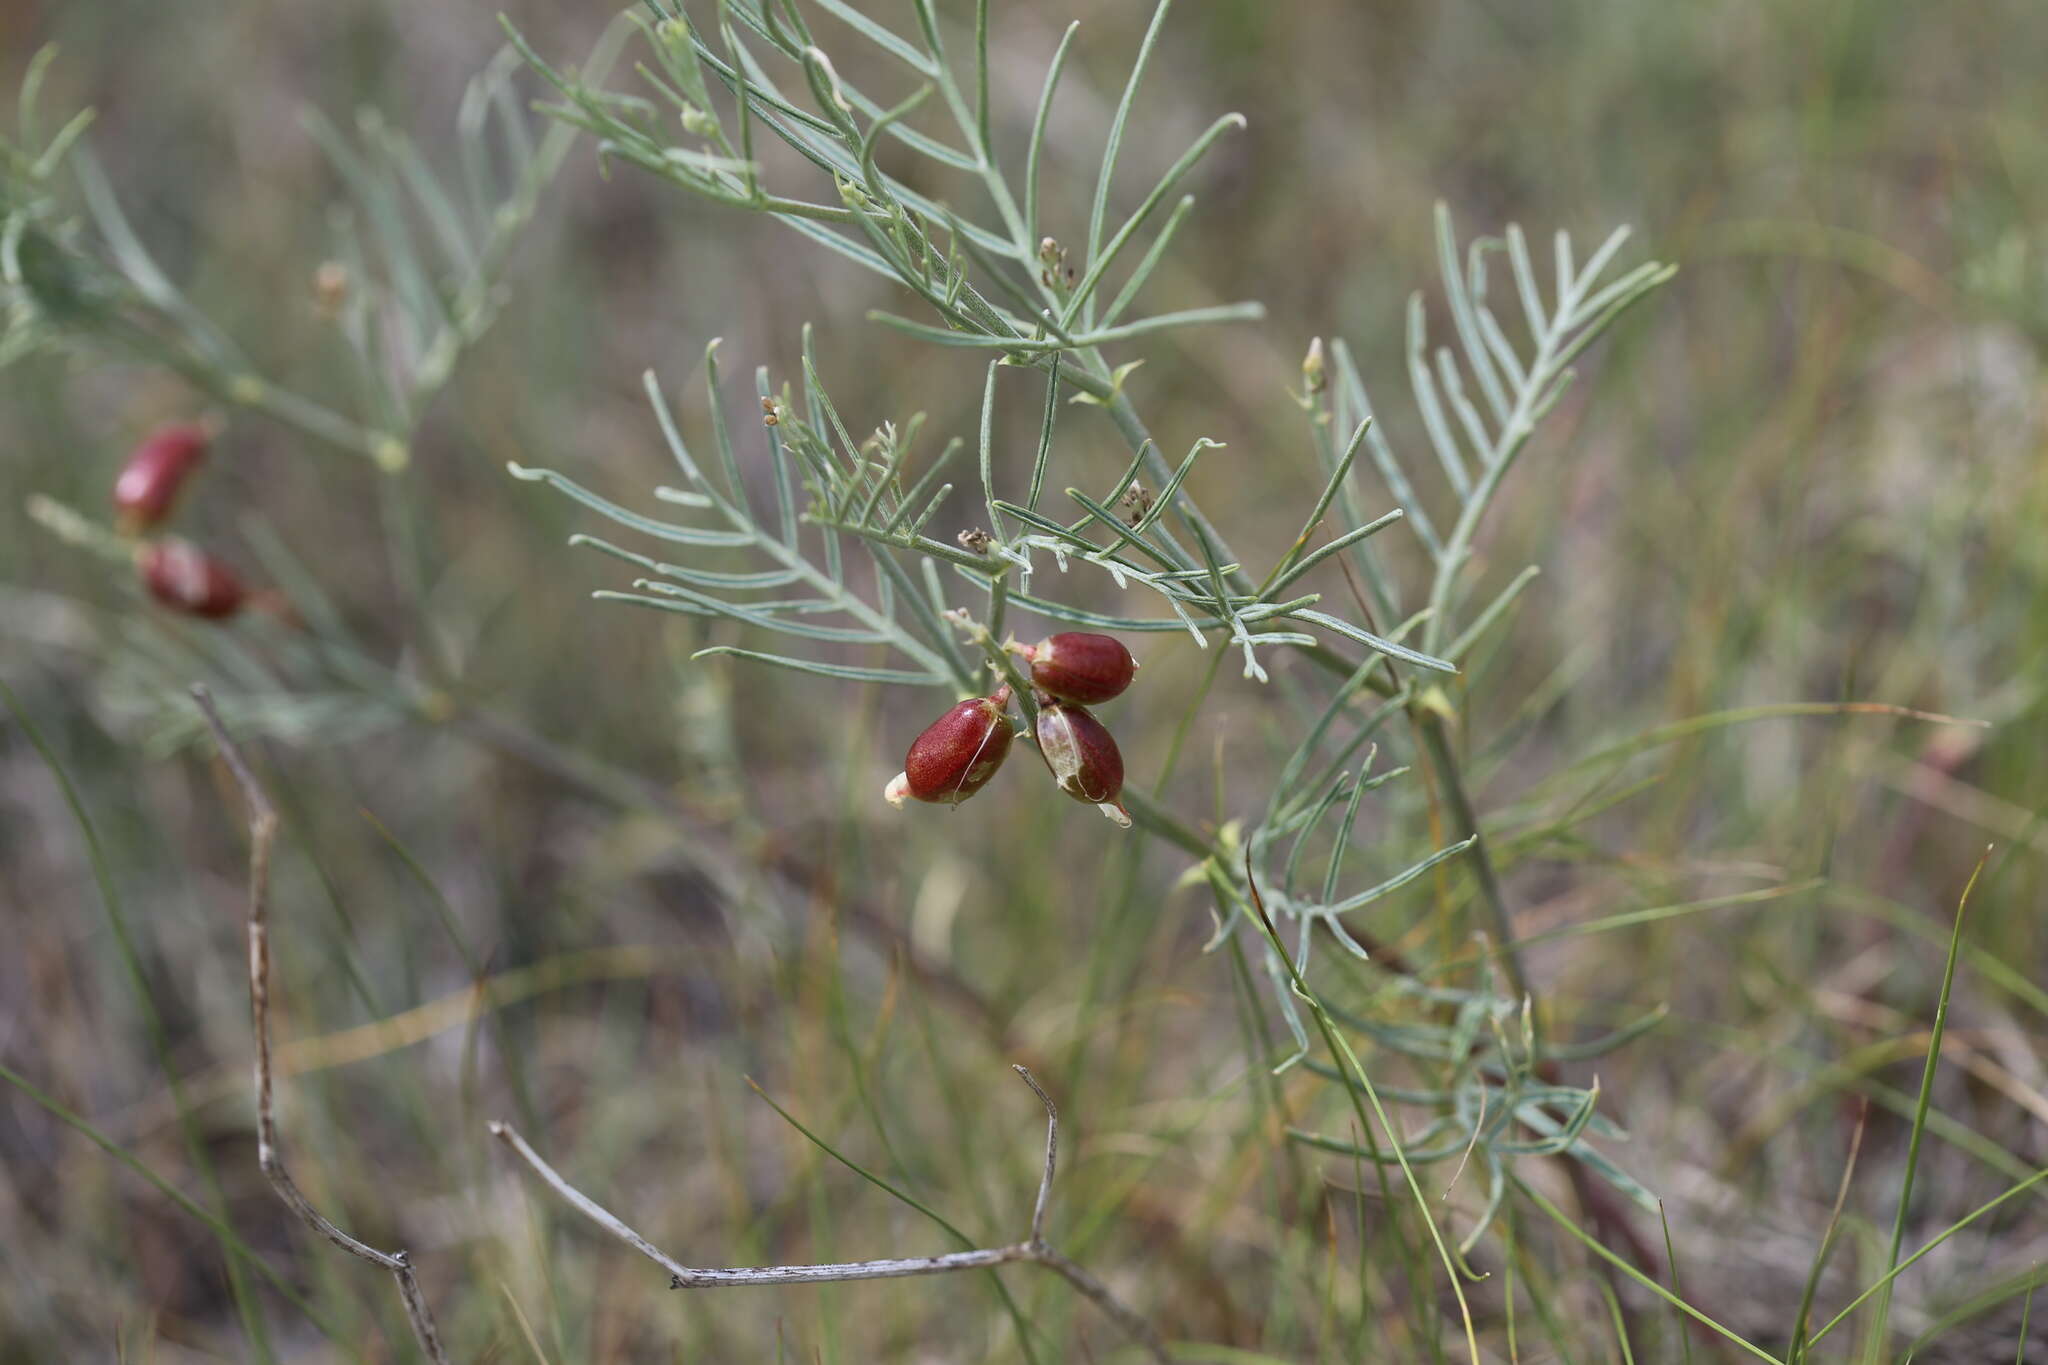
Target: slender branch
<point>1052,1152</point>
<point>1136,1327</point>
<point>1034,1250</point>
<point>681,1276</point>
<point>262,835</point>
<point>1443,761</point>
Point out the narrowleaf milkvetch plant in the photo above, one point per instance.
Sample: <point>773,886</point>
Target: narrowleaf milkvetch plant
<point>867,554</point>
<point>723,79</point>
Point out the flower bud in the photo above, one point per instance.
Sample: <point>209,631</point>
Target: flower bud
<point>149,483</point>
<point>1315,375</point>
<point>330,289</point>
<point>1079,667</point>
<point>187,579</point>
<point>1083,758</point>
<point>957,754</point>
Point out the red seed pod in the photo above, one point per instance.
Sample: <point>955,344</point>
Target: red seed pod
<point>149,483</point>
<point>1083,757</point>
<point>1079,667</point>
<point>187,579</point>
<point>957,754</point>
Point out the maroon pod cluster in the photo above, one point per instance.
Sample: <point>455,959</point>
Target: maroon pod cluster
<point>177,573</point>
<point>957,753</point>
<point>186,578</point>
<point>1080,667</point>
<point>156,472</point>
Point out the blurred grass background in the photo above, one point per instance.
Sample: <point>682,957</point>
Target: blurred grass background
<point>1811,469</point>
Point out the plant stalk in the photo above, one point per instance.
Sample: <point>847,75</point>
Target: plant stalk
<point>1443,761</point>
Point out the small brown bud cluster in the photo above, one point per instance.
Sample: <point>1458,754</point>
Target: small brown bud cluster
<point>178,574</point>
<point>959,752</point>
<point>1054,272</point>
<point>1136,503</point>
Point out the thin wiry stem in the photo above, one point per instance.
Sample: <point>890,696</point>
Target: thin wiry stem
<point>1034,1250</point>
<point>1443,761</point>
<point>262,835</point>
<point>691,1277</point>
<point>1052,1151</point>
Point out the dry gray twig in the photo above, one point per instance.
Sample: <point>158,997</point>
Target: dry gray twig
<point>1034,1250</point>
<point>262,834</point>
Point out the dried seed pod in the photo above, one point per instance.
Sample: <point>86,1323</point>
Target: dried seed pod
<point>1082,756</point>
<point>188,579</point>
<point>957,753</point>
<point>1080,667</point>
<point>149,483</point>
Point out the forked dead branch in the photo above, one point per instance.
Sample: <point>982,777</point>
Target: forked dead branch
<point>1033,1250</point>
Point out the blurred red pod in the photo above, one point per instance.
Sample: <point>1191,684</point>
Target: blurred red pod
<point>1083,757</point>
<point>149,483</point>
<point>957,754</point>
<point>187,579</point>
<point>1081,667</point>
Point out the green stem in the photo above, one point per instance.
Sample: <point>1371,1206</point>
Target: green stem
<point>307,416</point>
<point>1147,814</point>
<point>1139,438</point>
<point>1443,761</point>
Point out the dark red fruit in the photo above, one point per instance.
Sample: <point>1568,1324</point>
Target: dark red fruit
<point>148,485</point>
<point>957,754</point>
<point>1079,667</point>
<point>1082,756</point>
<point>187,579</point>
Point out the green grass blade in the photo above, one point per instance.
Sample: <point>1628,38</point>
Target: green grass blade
<point>227,1236</point>
<point>1594,1245</point>
<point>1037,143</point>
<point>138,981</point>
<point>1919,1132</point>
